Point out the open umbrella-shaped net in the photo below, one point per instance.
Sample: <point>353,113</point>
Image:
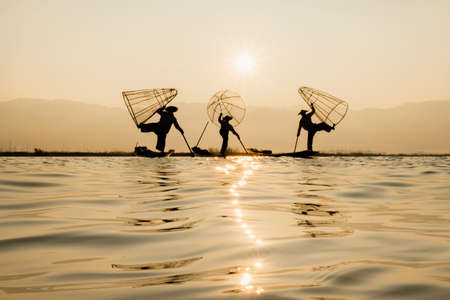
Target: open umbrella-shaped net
<point>228,103</point>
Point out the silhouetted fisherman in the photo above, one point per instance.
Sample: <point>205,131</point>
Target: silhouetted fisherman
<point>307,124</point>
<point>225,128</point>
<point>163,126</point>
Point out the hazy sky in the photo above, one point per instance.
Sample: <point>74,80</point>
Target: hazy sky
<point>372,53</point>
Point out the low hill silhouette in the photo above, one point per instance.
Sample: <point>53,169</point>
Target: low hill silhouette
<point>62,125</point>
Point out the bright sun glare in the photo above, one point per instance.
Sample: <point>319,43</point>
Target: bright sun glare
<point>244,63</point>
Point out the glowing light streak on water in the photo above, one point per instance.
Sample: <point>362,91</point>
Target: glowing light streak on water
<point>246,164</point>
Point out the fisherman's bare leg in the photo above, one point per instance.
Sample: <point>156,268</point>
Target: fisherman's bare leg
<point>311,134</point>
<point>161,142</point>
<point>224,145</point>
<point>324,126</point>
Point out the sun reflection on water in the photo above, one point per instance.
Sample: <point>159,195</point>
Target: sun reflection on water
<point>248,165</point>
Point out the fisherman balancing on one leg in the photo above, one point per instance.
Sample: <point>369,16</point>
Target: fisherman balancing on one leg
<point>163,126</point>
<point>225,128</point>
<point>307,124</point>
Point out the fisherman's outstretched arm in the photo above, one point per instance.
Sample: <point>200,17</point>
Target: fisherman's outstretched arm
<point>311,113</point>
<point>177,126</point>
<point>313,110</point>
<point>234,132</point>
<point>160,110</point>
<point>220,118</point>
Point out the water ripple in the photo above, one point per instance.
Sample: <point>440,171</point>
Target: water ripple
<point>240,227</point>
<point>157,266</point>
<point>28,184</point>
<point>68,239</point>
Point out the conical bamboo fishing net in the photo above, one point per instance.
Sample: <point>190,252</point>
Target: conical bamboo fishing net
<point>142,104</point>
<point>329,109</point>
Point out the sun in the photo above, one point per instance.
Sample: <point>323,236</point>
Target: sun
<point>244,63</point>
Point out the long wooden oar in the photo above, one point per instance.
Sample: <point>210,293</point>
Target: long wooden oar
<point>189,147</point>
<point>201,135</point>
<point>243,145</point>
<point>295,147</point>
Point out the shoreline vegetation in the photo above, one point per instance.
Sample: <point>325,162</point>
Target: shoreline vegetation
<point>39,152</point>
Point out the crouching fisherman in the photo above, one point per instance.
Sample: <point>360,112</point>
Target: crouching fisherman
<point>161,129</point>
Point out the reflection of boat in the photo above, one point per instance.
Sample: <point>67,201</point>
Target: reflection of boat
<point>143,151</point>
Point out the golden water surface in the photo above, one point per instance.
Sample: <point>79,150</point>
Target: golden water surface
<point>214,228</point>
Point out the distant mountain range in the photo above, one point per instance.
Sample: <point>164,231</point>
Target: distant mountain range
<point>61,125</point>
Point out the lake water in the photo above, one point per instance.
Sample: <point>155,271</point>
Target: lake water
<point>214,228</point>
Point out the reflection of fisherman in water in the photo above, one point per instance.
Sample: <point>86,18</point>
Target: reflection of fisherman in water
<point>163,126</point>
<point>225,128</point>
<point>311,127</point>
